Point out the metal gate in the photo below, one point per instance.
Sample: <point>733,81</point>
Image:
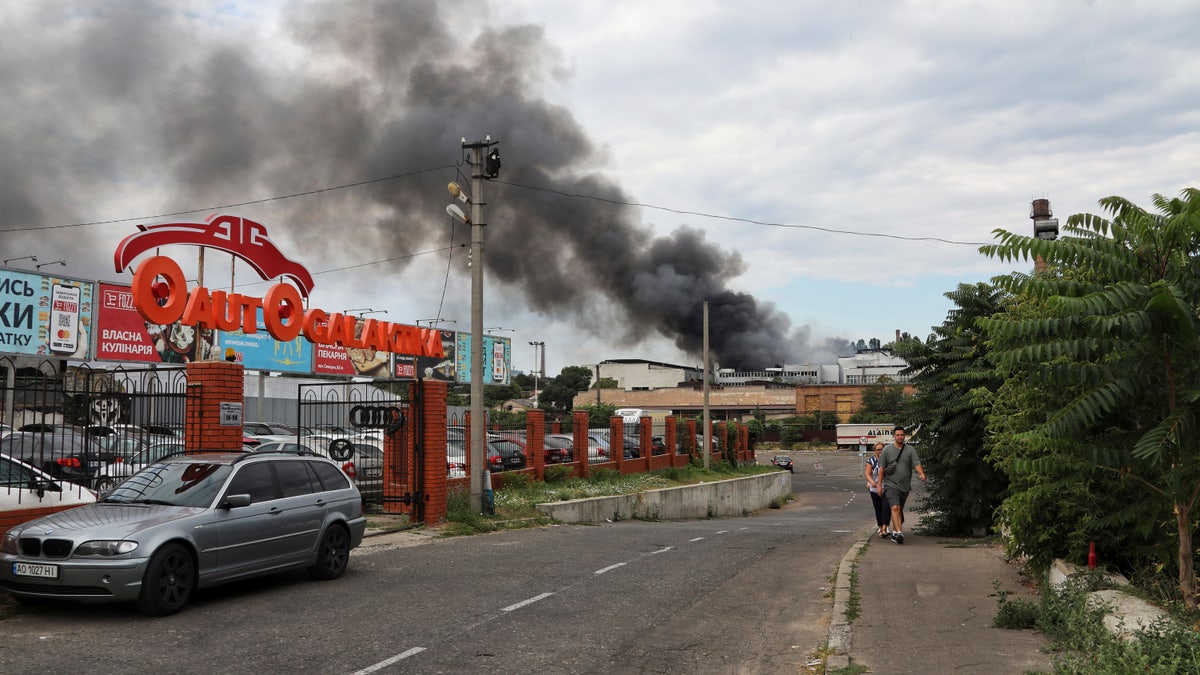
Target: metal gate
<point>370,428</point>
<point>72,421</point>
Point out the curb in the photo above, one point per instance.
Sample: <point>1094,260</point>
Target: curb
<point>839,626</point>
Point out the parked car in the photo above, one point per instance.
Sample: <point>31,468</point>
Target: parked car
<point>456,458</point>
<point>186,523</point>
<point>596,451</point>
<point>505,454</point>
<point>560,448</point>
<point>25,487</point>
<point>783,462</point>
<point>269,429</point>
<point>123,467</point>
<point>64,453</point>
<point>364,466</point>
<point>129,442</point>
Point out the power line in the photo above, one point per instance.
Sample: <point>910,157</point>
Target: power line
<point>739,220</point>
<point>230,206</point>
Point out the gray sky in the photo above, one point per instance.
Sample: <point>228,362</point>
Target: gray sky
<point>918,120</point>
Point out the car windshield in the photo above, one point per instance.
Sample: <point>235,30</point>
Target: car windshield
<point>172,483</point>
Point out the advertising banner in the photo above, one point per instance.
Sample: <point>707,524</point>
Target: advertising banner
<point>339,360</point>
<point>260,351</point>
<point>45,316</point>
<point>431,368</point>
<point>497,357</point>
<point>123,335</point>
<point>404,367</point>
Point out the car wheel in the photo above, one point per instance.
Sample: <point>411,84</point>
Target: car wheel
<point>105,484</point>
<point>333,554</point>
<point>169,581</point>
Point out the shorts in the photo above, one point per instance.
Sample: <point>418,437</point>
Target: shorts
<point>895,496</point>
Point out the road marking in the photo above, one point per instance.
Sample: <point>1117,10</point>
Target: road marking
<point>722,531</point>
<point>661,550</point>
<point>384,664</point>
<point>530,601</point>
<point>696,539</point>
<point>610,568</point>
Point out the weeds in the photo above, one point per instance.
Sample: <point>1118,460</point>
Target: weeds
<point>1084,645</point>
<point>515,502</point>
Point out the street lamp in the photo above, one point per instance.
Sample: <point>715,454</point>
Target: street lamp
<point>24,257</point>
<point>56,262</point>
<point>498,328</point>
<point>538,346</point>
<point>433,322</point>
<point>364,312</point>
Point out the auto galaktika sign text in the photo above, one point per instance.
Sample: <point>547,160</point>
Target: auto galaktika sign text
<point>161,294</point>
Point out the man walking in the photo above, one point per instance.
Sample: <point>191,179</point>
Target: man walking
<point>899,460</point>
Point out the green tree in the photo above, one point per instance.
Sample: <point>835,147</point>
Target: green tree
<point>559,393</point>
<point>495,394</point>
<point>1127,337</point>
<point>955,382</point>
<point>599,414</point>
<point>882,401</point>
<point>605,383</point>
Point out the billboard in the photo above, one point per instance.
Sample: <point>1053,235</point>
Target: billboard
<point>123,335</point>
<point>497,357</point>
<point>260,351</point>
<point>443,369</point>
<point>333,359</point>
<point>45,316</point>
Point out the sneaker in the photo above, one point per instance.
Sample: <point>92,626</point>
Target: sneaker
<point>898,537</point>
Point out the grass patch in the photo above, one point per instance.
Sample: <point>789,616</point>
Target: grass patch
<point>515,503</point>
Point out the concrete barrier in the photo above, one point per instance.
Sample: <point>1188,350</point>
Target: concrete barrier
<point>1124,614</point>
<point>733,497</point>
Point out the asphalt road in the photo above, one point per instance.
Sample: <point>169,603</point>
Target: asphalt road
<point>738,595</point>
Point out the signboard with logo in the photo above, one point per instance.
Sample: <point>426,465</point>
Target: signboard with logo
<point>497,355</point>
<point>283,329</point>
<point>45,316</point>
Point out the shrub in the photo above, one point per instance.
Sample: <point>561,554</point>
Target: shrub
<point>559,473</point>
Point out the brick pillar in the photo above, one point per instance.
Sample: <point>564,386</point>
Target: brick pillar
<point>433,445</point>
<point>690,442</point>
<point>398,477</point>
<point>616,442</point>
<point>670,438</point>
<point>209,384</point>
<point>535,442</point>
<point>579,427</point>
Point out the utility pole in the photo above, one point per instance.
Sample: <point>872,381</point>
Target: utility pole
<point>707,429</point>
<point>481,168</point>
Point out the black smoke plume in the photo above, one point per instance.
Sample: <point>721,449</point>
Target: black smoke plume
<point>141,97</point>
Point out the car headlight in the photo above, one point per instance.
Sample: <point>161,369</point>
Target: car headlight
<point>104,548</point>
<point>9,543</point>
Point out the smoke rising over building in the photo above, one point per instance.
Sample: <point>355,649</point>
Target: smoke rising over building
<point>144,100</point>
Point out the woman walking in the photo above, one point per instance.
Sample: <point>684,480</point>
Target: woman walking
<point>873,472</point>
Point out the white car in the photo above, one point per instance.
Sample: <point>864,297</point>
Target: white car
<point>24,487</point>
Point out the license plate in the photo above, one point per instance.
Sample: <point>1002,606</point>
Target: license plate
<point>372,473</point>
<point>21,569</point>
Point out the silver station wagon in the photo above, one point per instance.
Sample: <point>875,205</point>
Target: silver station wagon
<point>185,523</point>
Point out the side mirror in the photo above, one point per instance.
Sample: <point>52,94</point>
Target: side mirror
<point>235,501</point>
